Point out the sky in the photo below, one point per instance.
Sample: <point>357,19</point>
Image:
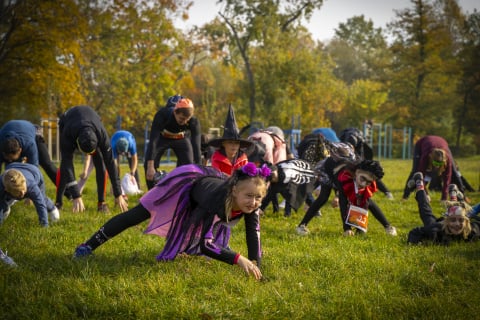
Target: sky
<point>333,12</point>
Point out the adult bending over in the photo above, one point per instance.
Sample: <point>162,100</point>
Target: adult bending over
<point>432,157</point>
<point>81,128</point>
<point>174,127</point>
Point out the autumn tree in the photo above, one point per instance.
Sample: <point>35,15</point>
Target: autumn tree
<point>467,115</point>
<point>360,54</point>
<point>359,50</point>
<point>39,58</point>
<point>424,71</point>
<point>136,59</point>
<point>251,22</point>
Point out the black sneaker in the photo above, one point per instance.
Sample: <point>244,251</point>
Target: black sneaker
<point>454,193</point>
<point>103,207</point>
<point>416,180</point>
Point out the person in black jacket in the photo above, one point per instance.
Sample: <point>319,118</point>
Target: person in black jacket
<point>81,128</point>
<point>194,207</point>
<point>174,127</point>
<point>455,225</point>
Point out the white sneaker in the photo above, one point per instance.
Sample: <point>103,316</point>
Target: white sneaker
<point>302,230</point>
<point>4,215</point>
<point>348,233</point>
<point>6,259</point>
<point>389,195</point>
<point>282,204</point>
<point>392,231</point>
<point>54,215</point>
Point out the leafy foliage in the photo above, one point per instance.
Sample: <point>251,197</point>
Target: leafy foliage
<point>125,58</point>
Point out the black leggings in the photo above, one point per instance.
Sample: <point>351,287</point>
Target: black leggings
<point>183,151</point>
<point>325,191</point>
<point>47,164</point>
<point>117,224</point>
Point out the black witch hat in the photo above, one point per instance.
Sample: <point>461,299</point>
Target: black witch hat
<point>230,132</point>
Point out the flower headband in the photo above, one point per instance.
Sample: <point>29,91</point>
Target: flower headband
<point>251,170</point>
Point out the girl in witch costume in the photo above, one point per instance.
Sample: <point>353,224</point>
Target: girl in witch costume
<point>230,154</point>
<point>194,207</point>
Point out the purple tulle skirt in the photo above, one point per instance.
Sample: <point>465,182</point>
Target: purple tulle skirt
<point>170,208</point>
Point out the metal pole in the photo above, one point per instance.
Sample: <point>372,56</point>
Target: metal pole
<point>390,142</point>
<point>146,136</point>
<point>379,152</point>
<point>409,142</point>
<point>58,140</point>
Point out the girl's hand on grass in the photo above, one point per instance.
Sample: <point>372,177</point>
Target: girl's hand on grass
<point>335,202</point>
<point>122,203</point>
<point>249,267</point>
<point>78,205</point>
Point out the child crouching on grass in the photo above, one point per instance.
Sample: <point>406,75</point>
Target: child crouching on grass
<point>455,225</point>
<point>194,207</point>
<point>24,181</point>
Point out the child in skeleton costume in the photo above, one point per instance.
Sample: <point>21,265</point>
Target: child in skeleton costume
<point>194,207</point>
<point>338,172</point>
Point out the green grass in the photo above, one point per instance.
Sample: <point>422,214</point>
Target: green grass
<point>320,276</point>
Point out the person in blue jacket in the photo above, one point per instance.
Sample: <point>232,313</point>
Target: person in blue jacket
<point>25,181</point>
<point>20,181</point>
<point>22,141</point>
<point>124,144</point>
<point>17,141</point>
<point>82,129</point>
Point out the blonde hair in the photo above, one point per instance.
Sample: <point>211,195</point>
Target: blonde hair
<point>233,182</point>
<point>14,182</point>
<point>467,227</point>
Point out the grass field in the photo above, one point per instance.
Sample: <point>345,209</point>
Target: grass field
<point>320,276</point>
